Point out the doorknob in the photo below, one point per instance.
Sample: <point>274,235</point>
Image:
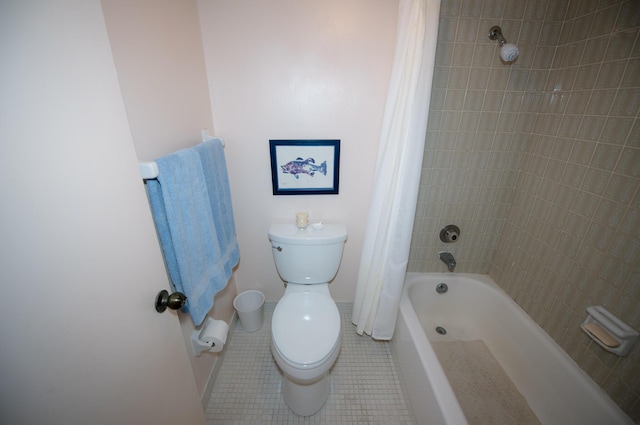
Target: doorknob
<point>174,301</point>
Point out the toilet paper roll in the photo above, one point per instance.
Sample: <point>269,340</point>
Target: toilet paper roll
<point>214,334</point>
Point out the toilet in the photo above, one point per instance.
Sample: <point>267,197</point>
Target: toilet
<point>305,328</point>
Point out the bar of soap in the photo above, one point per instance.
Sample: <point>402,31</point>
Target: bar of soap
<point>604,337</point>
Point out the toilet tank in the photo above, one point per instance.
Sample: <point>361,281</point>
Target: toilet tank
<point>307,256</point>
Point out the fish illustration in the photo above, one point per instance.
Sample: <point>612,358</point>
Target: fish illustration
<point>304,166</point>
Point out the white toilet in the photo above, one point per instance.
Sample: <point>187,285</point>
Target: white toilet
<point>305,328</point>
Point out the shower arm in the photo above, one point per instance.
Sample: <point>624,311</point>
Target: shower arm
<point>495,33</point>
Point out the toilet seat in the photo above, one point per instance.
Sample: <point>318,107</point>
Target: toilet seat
<point>305,328</point>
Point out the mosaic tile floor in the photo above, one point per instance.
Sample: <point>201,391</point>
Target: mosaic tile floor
<point>365,382</point>
<point>485,392</point>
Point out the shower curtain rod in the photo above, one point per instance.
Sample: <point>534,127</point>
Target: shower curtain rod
<point>149,170</point>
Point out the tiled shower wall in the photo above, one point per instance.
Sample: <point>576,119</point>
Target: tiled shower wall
<point>538,162</point>
<point>572,238</point>
<point>476,133</point>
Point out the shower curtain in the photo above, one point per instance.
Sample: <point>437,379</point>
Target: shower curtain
<point>397,176</point>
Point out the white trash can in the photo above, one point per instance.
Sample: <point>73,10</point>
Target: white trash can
<point>250,307</point>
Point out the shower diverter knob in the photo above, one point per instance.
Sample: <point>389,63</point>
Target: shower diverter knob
<point>450,233</point>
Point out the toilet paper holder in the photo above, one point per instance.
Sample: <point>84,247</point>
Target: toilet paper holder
<point>199,346</point>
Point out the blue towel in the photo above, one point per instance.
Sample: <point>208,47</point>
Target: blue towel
<point>191,206</point>
<point>217,180</point>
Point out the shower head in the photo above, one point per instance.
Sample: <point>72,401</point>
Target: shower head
<point>508,52</point>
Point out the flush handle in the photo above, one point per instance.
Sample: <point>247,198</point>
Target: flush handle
<point>174,301</point>
<point>277,248</point>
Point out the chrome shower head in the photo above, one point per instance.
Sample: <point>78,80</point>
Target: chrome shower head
<point>508,52</point>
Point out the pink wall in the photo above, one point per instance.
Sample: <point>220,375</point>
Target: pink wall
<point>297,70</point>
<point>157,49</point>
<point>81,341</point>
<point>320,70</point>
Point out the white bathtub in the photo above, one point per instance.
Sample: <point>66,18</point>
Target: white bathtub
<point>474,307</point>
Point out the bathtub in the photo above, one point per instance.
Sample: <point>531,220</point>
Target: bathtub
<point>474,307</point>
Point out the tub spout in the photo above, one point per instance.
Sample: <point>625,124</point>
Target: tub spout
<point>448,259</point>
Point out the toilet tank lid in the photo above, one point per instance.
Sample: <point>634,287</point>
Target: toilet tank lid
<point>312,235</point>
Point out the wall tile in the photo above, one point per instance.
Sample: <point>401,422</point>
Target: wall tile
<point>556,10</point>
<point>530,32</point>
<point>629,15</point>
<point>479,78</point>
<point>462,54</point>
<point>550,33</point>
<point>467,30</point>
<point>604,20</point>
<point>484,55</point>
<point>535,9</point>
<point>605,156</point>
<point>609,214</point>
<point>594,50</point>
<point>591,127</point>
<point>621,45</point>
<point>454,100</point>
<point>631,76</point>
<point>626,102</point>
<point>458,78</point>
<point>629,164</point>
<point>569,125</point>
<point>449,8</point>
<point>493,8</point>
<point>514,10</point>
<point>610,74</point>
<point>586,77</point>
<point>578,101</point>
<point>581,28</point>
<point>498,79</point>
<point>621,188</point>
<point>595,181</point>
<point>470,8</point>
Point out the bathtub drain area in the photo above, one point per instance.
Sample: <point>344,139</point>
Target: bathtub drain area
<point>485,392</point>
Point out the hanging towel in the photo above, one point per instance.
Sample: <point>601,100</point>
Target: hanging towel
<point>191,205</point>
<point>216,177</point>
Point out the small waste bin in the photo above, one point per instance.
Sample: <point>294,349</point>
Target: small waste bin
<point>250,307</point>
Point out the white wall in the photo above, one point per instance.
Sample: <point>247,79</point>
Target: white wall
<point>287,69</point>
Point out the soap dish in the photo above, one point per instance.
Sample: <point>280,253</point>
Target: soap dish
<point>608,331</point>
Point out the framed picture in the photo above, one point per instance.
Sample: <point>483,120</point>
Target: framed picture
<point>305,167</point>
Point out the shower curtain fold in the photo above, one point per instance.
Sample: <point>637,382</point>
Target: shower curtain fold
<point>397,176</point>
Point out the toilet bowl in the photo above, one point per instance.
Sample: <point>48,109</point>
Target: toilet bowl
<point>305,342</point>
<point>305,328</point>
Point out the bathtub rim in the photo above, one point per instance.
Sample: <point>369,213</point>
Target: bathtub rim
<point>450,408</point>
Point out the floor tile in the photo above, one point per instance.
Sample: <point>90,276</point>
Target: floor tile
<point>366,387</point>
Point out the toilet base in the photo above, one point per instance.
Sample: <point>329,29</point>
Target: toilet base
<point>306,399</point>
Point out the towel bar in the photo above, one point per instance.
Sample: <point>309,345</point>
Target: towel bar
<point>149,170</point>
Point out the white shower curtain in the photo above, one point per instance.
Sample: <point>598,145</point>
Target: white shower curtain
<point>397,176</point>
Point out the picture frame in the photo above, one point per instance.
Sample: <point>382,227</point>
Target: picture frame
<point>305,167</point>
